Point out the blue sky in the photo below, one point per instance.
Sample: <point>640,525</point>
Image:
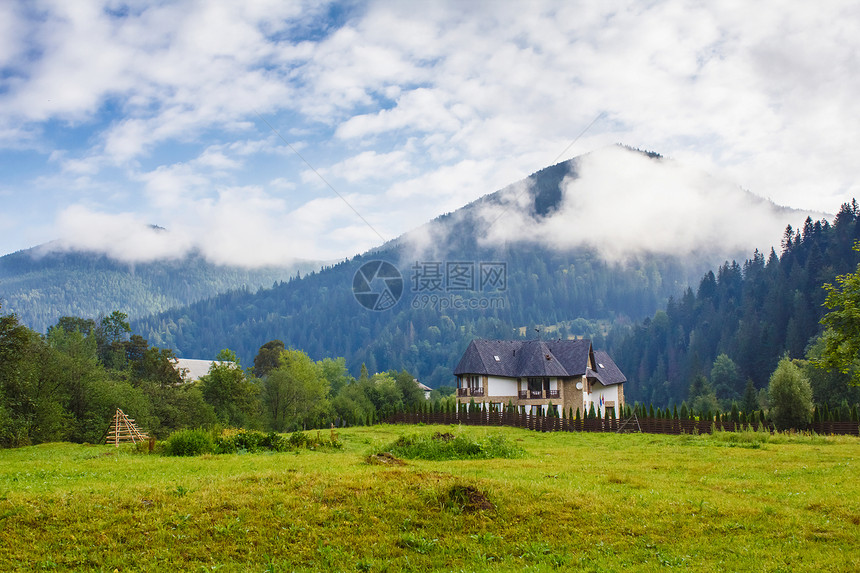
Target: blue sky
<point>115,115</point>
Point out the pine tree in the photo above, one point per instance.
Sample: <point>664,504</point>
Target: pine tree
<point>750,401</point>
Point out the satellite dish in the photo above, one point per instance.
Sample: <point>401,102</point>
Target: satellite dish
<point>579,385</point>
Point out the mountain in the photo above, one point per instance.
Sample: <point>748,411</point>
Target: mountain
<point>42,284</point>
<point>603,239</point>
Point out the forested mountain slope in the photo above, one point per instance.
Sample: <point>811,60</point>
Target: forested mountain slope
<point>752,313</point>
<point>41,285</point>
<point>548,282</point>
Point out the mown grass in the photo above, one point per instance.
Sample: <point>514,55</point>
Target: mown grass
<point>589,502</point>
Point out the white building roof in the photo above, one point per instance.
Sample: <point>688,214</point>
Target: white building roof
<point>193,369</point>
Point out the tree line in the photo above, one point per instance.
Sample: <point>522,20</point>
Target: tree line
<point>65,385</point>
<point>718,345</point>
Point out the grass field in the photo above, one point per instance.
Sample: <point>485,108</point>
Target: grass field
<point>590,502</point>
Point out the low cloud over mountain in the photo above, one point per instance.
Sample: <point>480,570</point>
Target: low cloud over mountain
<point>624,203</point>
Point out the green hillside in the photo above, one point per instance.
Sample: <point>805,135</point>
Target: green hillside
<point>427,330</point>
<point>40,286</point>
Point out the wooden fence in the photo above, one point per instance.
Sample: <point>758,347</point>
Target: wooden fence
<point>646,425</point>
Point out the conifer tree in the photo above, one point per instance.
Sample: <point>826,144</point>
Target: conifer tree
<point>750,401</point>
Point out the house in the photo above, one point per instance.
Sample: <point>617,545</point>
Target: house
<point>535,373</point>
<point>424,388</point>
<point>192,369</point>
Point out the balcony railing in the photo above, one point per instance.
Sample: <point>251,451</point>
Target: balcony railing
<point>466,392</point>
<point>521,394</point>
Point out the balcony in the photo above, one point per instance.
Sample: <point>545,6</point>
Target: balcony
<point>538,394</point>
<point>466,392</point>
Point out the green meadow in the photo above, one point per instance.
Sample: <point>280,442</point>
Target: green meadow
<point>583,502</point>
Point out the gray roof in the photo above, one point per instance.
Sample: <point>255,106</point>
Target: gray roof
<point>536,358</point>
<point>606,371</point>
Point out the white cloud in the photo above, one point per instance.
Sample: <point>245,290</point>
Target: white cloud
<point>623,204</point>
<point>372,165</point>
<point>123,236</point>
<point>171,186</point>
<point>415,108</point>
<point>421,109</point>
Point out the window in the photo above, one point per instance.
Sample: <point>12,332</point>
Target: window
<point>538,384</point>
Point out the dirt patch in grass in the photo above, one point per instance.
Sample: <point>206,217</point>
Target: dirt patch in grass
<point>384,459</point>
<point>443,437</point>
<point>466,498</point>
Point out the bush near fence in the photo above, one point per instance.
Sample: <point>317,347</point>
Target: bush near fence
<point>643,424</point>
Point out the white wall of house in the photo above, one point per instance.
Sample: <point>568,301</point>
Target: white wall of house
<point>609,394</point>
<point>498,386</point>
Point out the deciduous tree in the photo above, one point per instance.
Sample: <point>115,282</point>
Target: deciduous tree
<point>296,393</point>
<point>842,325</point>
<point>229,392</point>
<point>790,396</point>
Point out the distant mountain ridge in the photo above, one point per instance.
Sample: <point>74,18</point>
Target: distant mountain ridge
<point>40,284</point>
<point>551,280</point>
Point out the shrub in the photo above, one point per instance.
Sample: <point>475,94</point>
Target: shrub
<point>232,441</point>
<point>189,443</point>
<point>448,447</point>
<point>298,440</point>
